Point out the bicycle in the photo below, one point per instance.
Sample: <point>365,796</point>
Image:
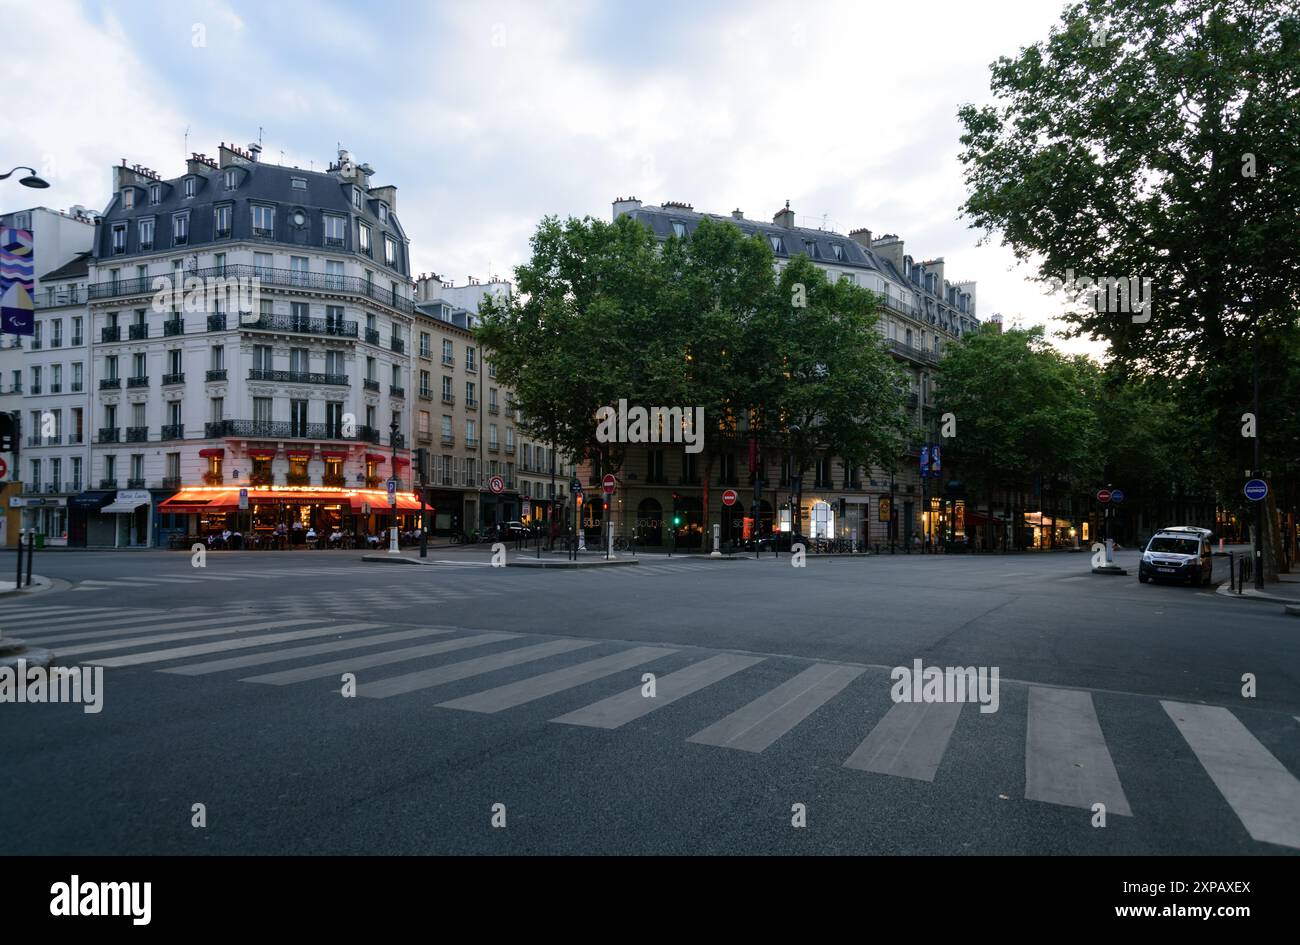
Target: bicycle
<point>622,543</point>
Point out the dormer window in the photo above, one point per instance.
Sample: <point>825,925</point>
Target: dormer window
<point>232,178</point>
<point>189,186</point>
<point>838,250</point>
<point>128,197</point>
<point>155,194</point>
<point>119,239</point>
<point>298,183</point>
<point>810,247</point>
<point>356,197</point>
<point>383,213</point>
<point>778,244</point>
<point>679,230</point>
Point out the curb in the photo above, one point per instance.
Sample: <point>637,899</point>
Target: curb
<point>1225,590</point>
<point>594,563</point>
<point>39,584</point>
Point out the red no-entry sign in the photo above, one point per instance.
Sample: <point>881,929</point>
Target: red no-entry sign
<point>1103,495</point>
<point>729,497</point>
<point>608,483</point>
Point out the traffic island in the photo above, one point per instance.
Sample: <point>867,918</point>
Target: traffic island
<point>1112,569</point>
<point>522,562</point>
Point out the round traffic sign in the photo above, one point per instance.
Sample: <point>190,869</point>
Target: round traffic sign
<point>608,483</point>
<point>4,468</point>
<point>729,497</point>
<point>1103,495</point>
<point>497,485</point>
<point>1116,495</point>
<point>1256,489</point>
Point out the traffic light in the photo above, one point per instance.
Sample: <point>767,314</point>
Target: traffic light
<point>8,433</point>
<point>677,518</point>
<point>422,463</point>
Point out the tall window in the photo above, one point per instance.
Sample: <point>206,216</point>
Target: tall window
<point>262,410</point>
<point>297,418</point>
<point>363,233</point>
<point>263,221</point>
<point>180,229</point>
<point>222,220</point>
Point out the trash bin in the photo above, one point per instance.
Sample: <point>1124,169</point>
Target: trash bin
<point>40,540</point>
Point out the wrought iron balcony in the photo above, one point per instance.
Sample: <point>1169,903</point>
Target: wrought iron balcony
<point>135,483</point>
<point>73,486</point>
<point>109,435</point>
<point>173,431</point>
<point>471,402</point>
<point>370,385</point>
<point>216,374</point>
<point>36,389</point>
<point>111,333</point>
<point>110,383</point>
<point>396,391</point>
<point>173,326</point>
<point>448,439</point>
<point>217,322</point>
<point>169,379</point>
<point>137,434</point>
<point>297,377</point>
<point>448,398</point>
<point>171,482</point>
<point>75,439</point>
<point>138,381</point>
<point>334,242</point>
<point>138,331</point>
<point>372,336</point>
<point>300,325</point>
<point>285,430</point>
<point>426,393</point>
<point>493,408</point>
<point>398,345</point>
<point>108,483</point>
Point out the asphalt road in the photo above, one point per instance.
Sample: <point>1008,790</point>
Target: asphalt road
<point>481,686</point>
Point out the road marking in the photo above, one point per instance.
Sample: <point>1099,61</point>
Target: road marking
<point>119,582</point>
<point>297,652</point>
<point>1066,761</point>
<point>137,625</point>
<point>1263,794</point>
<point>50,618</point>
<point>626,706</point>
<point>170,637</point>
<point>352,664</point>
<point>756,726</point>
<point>424,679</point>
<point>220,646</point>
<point>12,609</point>
<point>909,742</point>
<point>548,684</point>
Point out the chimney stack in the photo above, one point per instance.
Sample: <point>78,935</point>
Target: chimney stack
<point>624,205</point>
<point>737,215</point>
<point>861,236</point>
<point>784,217</point>
<point>890,247</point>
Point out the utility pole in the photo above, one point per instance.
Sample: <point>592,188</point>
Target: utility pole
<point>1258,463</point>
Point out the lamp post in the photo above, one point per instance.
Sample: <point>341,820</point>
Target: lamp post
<point>31,180</point>
<point>392,531</point>
<point>796,487</point>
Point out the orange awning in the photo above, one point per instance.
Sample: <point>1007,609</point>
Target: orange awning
<point>201,500</point>
<point>226,498</point>
<point>379,502</point>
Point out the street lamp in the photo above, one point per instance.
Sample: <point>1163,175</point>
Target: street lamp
<point>31,180</point>
<point>796,486</point>
<point>392,531</point>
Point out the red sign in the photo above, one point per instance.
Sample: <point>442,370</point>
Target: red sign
<point>4,469</point>
<point>729,497</point>
<point>1103,495</point>
<point>608,483</point>
<point>497,485</point>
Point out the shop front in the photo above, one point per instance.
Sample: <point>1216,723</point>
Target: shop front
<point>46,515</point>
<point>130,511</point>
<point>85,525</point>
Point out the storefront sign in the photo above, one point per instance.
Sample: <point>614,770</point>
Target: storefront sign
<point>884,506</point>
<point>138,496</point>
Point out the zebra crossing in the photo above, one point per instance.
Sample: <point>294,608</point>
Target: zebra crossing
<point>1067,759</point>
<point>199,576</point>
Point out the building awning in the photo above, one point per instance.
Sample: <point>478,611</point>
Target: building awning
<point>262,453</point>
<point>376,458</point>
<point>402,461</point>
<point>201,500</point>
<point>226,498</point>
<point>299,455</point>
<point>211,451</point>
<point>379,502</point>
<point>334,454</point>
<point>91,500</point>
<point>126,502</point>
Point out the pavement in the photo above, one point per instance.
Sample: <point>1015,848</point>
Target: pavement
<point>315,703</point>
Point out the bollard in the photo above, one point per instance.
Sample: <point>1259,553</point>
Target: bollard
<point>18,581</point>
<point>31,553</point>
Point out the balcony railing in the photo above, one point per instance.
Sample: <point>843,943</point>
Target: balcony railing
<point>471,402</point>
<point>510,448</point>
<point>113,333</point>
<point>493,408</point>
<point>76,387</point>
<point>173,326</point>
<point>448,398</point>
<point>56,342</point>
<point>370,385</point>
<point>297,377</point>
<point>171,482</point>
<point>396,391</point>
<point>138,381</point>
<point>55,440</point>
<point>448,439</point>
<point>216,374</point>
<point>135,332</point>
<point>73,486</point>
<point>110,383</point>
<point>282,278</point>
<point>75,439</point>
<point>137,434</point>
<point>108,483</point>
<point>398,345</point>
<point>372,336</point>
<point>912,352</point>
<point>264,232</point>
<point>36,344</point>
<point>334,242</point>
<point>301,325</point>
<point>217,322</point>
<point>135,483</point>
<point>285,430</point>
<point>448,360</point>
<point>173,431</point>
<point>169,379</point>
<point>493,447</point>
<point>426,393</point>
<point>36,389</point>
<point>109,435</point>
<point>56,388</point>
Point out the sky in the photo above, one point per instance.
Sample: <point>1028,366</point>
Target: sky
<point>487,116</point>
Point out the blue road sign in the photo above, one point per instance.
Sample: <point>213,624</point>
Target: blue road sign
<point>1116,495</point>
<point>925,461</point>
<point>1256,489</point>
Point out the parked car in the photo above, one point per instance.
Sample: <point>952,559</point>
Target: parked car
<point>1180,553</point>
<point>509,531</point>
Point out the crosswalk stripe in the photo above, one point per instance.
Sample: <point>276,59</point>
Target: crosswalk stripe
<point>547,684</point>
<point>756,726</point>
<point>1263,794</point>
<point>627,706</point>
<point>102,616</point>
<point>13,609</point>
<point>1066,760</point>
<point>220,646</point>
<point>134,624</point>
<point>56,613</point>
<point>354,663</point>
<point>119,582</point>
<point>229,628</point>
<point>424,679</point>
<point>909,742</point>
<point>297,652</point>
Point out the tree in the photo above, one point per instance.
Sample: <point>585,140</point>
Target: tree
<point>1160,140</point>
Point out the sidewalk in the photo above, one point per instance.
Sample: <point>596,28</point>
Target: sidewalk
<point>1285,591</point>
